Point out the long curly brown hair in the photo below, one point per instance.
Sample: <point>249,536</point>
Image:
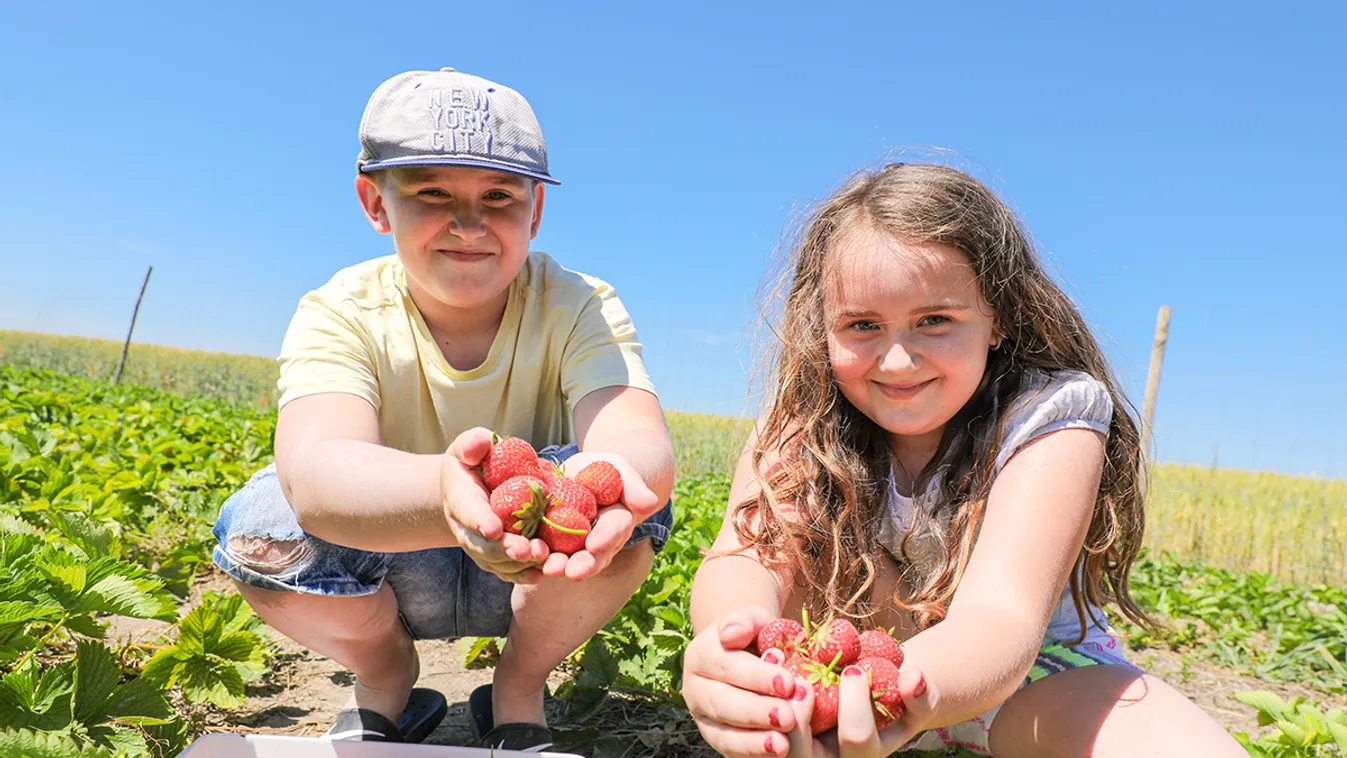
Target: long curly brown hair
<point>832,463</point>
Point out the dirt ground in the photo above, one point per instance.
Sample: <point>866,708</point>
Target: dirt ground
<point>304,691</point>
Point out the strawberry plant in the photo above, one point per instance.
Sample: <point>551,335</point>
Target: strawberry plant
<point>1296,728</point>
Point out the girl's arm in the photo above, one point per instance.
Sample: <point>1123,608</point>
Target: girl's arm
<point>1033,529</point>
<point>738,700</point>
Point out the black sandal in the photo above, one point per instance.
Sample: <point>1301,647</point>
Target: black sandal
<point>425,709</point>
<point>525,737</point>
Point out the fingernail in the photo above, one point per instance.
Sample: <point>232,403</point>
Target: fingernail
<point>779,684</point>
<point>921,688</point>
<point>769,743</point>
<point>852,671</point>
<point>801,689</point>
<point>774,656</point>
<point>731,628</point>
<point>775,718</point>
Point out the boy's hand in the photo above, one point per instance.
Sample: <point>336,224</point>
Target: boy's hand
<point>479,531</point>
<point>614,524</point>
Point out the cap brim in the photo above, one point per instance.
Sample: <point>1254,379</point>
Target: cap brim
<point>420,160</point>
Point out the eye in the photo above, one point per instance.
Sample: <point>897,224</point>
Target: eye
<point>431,192</point>
<point>934,320</point>
<point>498,196</point>
<point>863,326</point>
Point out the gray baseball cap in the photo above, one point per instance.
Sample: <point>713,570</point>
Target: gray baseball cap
<point>448,118</point>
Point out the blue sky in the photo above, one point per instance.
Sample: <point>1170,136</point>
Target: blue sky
<point>1183,154</point>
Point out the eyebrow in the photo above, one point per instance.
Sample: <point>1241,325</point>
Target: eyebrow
<point>418,175</point>
<point>922,311</point>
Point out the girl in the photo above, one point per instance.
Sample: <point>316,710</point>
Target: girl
<point>946,453</point>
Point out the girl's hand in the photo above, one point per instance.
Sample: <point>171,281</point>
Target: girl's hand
<point>856,735</point>
<point>741,703</point>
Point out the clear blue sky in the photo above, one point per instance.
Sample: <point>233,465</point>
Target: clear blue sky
<point>1185,154</point>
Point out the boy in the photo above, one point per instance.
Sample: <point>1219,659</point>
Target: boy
<point>372,530</point>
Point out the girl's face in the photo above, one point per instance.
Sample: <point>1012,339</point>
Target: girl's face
<point>908,331</point>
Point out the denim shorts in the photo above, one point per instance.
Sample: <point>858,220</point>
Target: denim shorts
<point>441,593</point>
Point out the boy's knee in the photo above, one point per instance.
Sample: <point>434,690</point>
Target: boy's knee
<point>267,556</point>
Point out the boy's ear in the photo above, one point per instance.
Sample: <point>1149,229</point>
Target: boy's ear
<point>537,209</point>
<point>372,202</point>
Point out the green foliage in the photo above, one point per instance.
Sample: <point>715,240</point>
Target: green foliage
<point>1247,622</point>
<point>106,497</point>
<point>218,651</point>
<point>1293,729</point>
<point>641,649</point>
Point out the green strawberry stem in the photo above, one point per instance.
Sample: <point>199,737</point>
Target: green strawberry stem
<point>565,529</point>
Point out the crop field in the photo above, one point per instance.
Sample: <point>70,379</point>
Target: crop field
<point>117,637</point>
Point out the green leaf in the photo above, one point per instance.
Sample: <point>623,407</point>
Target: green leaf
<point>1293,735</point>
<point>16,612</point>
<point>140,701</point>
<point>35,699</point>
<point>121,596</point>
<point>26,744</point>
<point>1339,734</point>
<point>96,675</point>
<point>92,538</point>
<point>204,679</point>
<point>1270,707</point>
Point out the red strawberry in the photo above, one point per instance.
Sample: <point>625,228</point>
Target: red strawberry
<point>508,458</point>
<point>824,716</point>
<point>564,530</point>
<point>877,642</point>
<point>785,635</point>
<point>548,470</point>
<point>518,501</point>
<point>836,638</point>
<point>602,479</point>
<point>884,695</point>
<point>568,493</point>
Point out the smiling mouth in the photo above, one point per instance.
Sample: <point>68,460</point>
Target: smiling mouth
<point>903,390</point>
<point>466,256</point>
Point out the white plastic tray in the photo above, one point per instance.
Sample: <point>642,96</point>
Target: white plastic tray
<point>222,745</point>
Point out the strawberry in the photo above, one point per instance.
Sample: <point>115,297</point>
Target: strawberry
<point>564,530</point>
<point>888,704</point>
<point>824,716</point>
<point>548,470</point>
<point>509,457</point>
<point>602,479</point>
<point>568,493</point>
<point>518,501</point>
<point>785,635</point>
<point>878,643</point>
<point>835,642</point>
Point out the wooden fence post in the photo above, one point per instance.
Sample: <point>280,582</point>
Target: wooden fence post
<point>127,345</point>
<point>1153,377</point>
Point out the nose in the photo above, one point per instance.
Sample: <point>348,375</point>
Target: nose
<point>467,222</point>
<point>899,358</point>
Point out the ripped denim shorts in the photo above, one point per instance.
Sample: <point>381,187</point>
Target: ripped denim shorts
<point>441,593</point>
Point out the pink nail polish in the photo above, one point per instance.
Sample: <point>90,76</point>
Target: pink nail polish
<point>774,717</point>
<point>801,689</point>
<point>921,688</point>
<point>769,743</point>
<point>779,684</point>
<point>773,656</point>
<point>852,671</point>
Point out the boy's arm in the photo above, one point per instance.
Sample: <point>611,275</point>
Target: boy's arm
<point>346,487</point>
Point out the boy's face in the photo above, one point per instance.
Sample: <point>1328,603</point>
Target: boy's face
<point>462,233</point>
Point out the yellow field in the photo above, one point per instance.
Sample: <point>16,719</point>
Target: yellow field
<point>1292,527</point>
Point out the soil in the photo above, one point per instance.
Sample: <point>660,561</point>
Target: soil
<point>304,691</point>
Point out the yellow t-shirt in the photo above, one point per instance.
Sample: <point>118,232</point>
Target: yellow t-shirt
<point>563,335</point>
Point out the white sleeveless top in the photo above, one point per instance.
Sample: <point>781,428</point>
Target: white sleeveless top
<point>1047,403</point>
